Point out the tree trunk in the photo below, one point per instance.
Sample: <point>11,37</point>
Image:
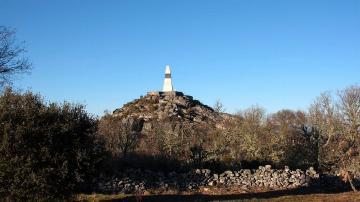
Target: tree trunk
<point>351,184</point>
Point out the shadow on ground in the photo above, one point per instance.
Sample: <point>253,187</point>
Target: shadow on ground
<point>225,197</point>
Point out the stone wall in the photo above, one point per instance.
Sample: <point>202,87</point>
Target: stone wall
<point>138,181</point>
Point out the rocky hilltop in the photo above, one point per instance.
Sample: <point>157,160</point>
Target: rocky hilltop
<point>171,106</point>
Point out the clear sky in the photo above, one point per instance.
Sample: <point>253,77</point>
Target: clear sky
<point>277,54</point>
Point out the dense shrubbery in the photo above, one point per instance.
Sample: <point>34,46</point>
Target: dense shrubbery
<point>46,150</point>
<point>248,140</point>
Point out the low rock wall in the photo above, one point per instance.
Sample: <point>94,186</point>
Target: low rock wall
<point>138,181</point>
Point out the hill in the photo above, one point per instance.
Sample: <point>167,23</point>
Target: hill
<point>170,106</point>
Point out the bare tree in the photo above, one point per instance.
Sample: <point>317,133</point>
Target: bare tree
<point>325,121</point>
<point>325,117</point>
<point>281,126</point>
<point>251,131</point>
<point>338,124</point>
<point>121,136</point>
<point>350,109</point>
<point>349,104</point>
<point>12,60</point>
<point>219,107</point>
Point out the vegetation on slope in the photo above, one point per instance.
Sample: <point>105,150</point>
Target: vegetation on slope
<point>52,150</point>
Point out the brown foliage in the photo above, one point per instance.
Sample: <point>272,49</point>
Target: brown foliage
<point>325,137</point>
<point>121,136</point>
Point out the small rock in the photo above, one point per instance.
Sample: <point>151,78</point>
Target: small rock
<point>212,183</point>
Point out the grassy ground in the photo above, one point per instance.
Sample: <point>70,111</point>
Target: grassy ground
<point>275,196</point>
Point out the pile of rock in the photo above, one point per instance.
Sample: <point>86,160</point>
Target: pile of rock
<point>263,177</point>
<point>177,107</point>
<point>138,181</point>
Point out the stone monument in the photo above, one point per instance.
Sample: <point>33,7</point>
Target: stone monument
<point>168,87</point>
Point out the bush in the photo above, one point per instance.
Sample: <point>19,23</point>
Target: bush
<point>46,150</point>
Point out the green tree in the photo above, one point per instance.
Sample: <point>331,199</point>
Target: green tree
<point>46,150</point>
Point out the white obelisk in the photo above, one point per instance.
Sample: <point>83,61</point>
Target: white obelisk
<point>168,87</point>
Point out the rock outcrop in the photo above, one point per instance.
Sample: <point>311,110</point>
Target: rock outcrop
<point>170,106</point>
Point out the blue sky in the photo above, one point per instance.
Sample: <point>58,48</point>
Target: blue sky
<point>277,54</point>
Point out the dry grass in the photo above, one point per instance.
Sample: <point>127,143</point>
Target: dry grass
<point>342,197</point>
<point>99,197</point>
<point>254,197</point>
